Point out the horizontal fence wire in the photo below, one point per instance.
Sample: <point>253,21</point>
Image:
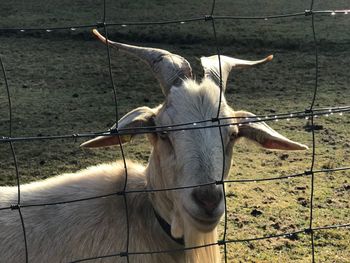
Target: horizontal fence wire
<point>254,180</point>
<point>221,242</point>
<point>309,114</point>
<point>177,21</point>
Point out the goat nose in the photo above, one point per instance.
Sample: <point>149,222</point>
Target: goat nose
<point>208,197</point>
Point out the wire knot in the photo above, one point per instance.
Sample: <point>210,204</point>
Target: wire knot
<point>15,207</point>
<point>307,111</point>
<point>75,137</point>
<point>221,242</point>
<point>123,254</point>
<point>308,230</point>
<point>113,131</point>
<point>121,193</point>
<point>308,172</point>
<point>215,119</point>
<point>208,17</point>
<point>100,24</point>
<point>308,12</point>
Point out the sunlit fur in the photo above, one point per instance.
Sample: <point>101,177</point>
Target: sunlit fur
<point>97,227</point>
<point>182,158</point>
<point>63,233</point>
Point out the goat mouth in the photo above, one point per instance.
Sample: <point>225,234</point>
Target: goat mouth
<point>204,224</point>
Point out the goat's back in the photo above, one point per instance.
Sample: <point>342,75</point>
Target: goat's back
<point>72,231</point>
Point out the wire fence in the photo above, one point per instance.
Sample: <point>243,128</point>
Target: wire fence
<point>309,114</point>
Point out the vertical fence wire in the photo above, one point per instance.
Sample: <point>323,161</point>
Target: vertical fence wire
<point>18,205</point>
<point>217,47</point>
<point>312,181</point>
<point>126,253</point>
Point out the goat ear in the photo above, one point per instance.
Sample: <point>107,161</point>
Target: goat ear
<point>263,134</point>
<point>139,117</point>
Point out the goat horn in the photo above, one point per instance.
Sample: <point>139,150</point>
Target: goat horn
<point>170,69</point>
<point>211,67</point>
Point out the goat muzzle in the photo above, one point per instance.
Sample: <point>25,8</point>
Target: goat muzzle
<point>208,198</point>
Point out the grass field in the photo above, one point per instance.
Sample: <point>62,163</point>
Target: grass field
<point>59,84</point>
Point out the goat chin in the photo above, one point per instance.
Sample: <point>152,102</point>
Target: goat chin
<point>194,238</point>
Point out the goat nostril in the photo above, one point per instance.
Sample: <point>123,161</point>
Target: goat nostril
<point>208,200</point>
<point>209,205</point>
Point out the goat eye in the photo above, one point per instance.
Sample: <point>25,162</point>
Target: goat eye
<point>163,135</point>
<point>233,137</point>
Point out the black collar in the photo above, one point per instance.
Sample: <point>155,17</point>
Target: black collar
<point>167,228</point>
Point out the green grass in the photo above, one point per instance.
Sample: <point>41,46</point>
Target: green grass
<point>59,84</point>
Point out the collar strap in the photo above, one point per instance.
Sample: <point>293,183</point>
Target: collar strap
<point>167,228</point>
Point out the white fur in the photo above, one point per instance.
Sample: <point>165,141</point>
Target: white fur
<point>97,227</point>
<point>63,233</point>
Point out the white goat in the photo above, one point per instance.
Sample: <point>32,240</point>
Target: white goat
<point>158,221</point>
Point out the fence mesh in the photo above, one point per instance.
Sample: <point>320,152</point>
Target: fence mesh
<point>310,114</point>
